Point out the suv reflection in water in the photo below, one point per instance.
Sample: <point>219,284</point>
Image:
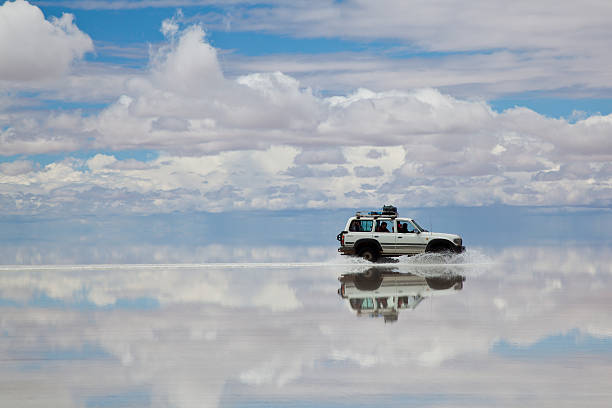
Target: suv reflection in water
<point>384,291</point>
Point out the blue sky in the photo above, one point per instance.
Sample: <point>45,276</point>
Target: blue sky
<point>140,27</point>
<point>140,107</point>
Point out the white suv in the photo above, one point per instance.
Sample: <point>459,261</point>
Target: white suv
<point>375,234</point>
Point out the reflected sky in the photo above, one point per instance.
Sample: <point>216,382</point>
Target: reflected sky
<point>528,326</point>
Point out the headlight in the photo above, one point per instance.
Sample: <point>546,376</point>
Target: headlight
<point>458,241</point>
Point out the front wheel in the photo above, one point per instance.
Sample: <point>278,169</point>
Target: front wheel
<point>443,282</point>
<point>369,254</point>
<point>439,247</point>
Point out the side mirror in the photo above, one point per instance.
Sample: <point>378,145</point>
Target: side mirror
<point>417,231</point>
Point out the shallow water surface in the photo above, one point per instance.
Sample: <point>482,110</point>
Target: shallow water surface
<point>517,327</point>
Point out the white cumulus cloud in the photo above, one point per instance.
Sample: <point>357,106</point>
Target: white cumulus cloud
<point>32,47</point>
<point>263,140</point>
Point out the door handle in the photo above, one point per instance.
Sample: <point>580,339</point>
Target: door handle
<point>375,236</point>
<point>400,237</point>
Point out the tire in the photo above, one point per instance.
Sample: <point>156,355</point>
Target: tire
<point>439,247</point>
<point>368,281</point>
<point>369,254</point>
<point>441,283</point>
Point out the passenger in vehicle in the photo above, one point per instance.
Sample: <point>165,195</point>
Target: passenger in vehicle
<point>405,228</point>
<point>382,227</point>
<point>355,226</point>
<point>356,303</point>
<point>381,302</point>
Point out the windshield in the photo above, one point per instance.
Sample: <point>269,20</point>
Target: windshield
<point>419,227</point>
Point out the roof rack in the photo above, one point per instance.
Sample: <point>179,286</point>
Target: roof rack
<point>387,211</point>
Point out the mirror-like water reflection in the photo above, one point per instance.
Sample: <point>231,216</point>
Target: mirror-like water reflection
<point>384,292</point>
<point>522,326</point>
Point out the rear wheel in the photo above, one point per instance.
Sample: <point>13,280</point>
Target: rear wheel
<point>368,280</point>
<point>369,254</point>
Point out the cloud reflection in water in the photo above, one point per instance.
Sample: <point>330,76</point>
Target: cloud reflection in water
<point>220,335</point>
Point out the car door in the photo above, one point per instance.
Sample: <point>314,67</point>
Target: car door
<point>386,239</point>
<point>409,240</point>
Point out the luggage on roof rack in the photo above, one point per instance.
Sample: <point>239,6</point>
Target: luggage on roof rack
<point>389,210</point>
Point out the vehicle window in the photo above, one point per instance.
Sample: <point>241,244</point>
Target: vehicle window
<point>419,227</point>
<point>361,226</point>
<point>405,227</point>
<point>406,302</point>
<point>384,226</point>
<point>382,302</point>
<point>359,304</point>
